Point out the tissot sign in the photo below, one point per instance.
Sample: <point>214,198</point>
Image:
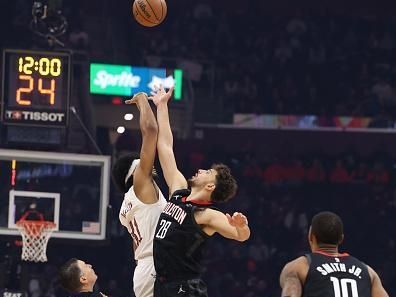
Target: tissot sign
<point>12,116</point>
<point>13,294</point>
<point>122,80</point>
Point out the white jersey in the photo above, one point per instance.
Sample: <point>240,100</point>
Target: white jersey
<point>141,221</point>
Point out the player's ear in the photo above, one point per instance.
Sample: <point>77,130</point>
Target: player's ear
<point>310,236</point>
<point>342,239</point>
<point>83,279</point>
<point>210,187</point>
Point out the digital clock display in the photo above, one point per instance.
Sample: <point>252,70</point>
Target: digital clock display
<point>36,87</point>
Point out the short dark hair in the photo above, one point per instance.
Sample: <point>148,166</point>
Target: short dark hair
<point>120,170</point>
<point>69,276</point>
<point>226,186</point>
<point>327,228</point>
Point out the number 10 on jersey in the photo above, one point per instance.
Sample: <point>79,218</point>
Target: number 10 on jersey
<point>341,287</point>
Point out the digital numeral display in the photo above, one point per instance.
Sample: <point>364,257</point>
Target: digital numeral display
<point>35,82</point>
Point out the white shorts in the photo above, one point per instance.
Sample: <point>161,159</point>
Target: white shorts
<point>143,278</point>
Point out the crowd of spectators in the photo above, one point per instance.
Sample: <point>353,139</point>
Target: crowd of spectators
<point>322,63</point>
<point>319,63</point>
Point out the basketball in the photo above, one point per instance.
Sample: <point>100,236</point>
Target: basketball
<point>149,13</point>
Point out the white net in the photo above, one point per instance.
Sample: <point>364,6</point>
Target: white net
<point>35,236</point>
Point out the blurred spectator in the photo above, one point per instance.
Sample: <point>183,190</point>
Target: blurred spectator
<point>78,38</point>
<point>378,174</point>
<point>295,172</point>
<point>273,174</point>
<point>360,174</point>
<point>316,173</point>
<point>339,175</point>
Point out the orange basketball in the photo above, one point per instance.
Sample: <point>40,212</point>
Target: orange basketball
<point>149,13</point>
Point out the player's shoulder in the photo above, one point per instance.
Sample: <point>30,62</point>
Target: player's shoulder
<point>301,261</point>
<point>298,267</point>
<point>207,212</point>
<point>372,273</point>
<point>207,215</point>
<point>357,261</point>
<point>130,195</point>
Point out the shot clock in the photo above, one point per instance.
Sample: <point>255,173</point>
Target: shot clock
<point>36,87</point>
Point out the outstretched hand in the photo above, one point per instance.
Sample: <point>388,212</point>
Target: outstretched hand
<point>136,98</point>
<point>160,95</point>
<point>237,220</point>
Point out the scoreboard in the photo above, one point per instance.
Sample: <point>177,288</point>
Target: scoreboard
<point>36,88</point>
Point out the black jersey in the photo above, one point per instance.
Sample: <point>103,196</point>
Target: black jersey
<point>94,293</point>
<point>178,240</point>
<point>342,276</point>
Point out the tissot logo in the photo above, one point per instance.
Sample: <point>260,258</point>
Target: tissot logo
<point>35,116</point>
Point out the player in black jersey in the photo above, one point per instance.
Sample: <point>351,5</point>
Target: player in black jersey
<point>189,217</point>
<point>326,272</point>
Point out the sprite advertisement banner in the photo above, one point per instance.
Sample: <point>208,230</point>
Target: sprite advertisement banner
<point>106,79</point>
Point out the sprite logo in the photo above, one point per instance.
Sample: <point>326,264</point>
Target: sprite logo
<point>112,79</point>
<point>126,80</point>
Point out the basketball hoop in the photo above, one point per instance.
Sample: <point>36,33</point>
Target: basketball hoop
<point>35,236</point>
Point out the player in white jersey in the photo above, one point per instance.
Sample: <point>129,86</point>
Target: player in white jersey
<point>143,200</point>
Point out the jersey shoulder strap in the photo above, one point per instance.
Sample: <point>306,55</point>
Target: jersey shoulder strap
<point>309,258</point>
<point>180,193</point>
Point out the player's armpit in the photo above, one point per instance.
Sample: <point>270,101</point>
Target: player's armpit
<point>145,190</point>
<point>290,282</point>
<point>377,290</point>
<point>215,221</point>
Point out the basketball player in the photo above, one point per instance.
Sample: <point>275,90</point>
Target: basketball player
<point>143,200</point>
<point>326,272</point>
<point>188,219</point>
<point>79,278</point>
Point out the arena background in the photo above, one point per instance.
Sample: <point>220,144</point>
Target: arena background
<point>298,98</point>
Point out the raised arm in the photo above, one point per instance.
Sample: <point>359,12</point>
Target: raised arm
<point>377,290</point>
<point>213,221</point>
<point>174,179</point>
<point>293,276</point>
<point>142,177</point>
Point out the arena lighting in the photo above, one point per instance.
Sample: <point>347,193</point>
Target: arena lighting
<point>120,129</point>
<point>128,117</point>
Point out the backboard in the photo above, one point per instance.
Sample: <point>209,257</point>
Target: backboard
<point>70,190</point>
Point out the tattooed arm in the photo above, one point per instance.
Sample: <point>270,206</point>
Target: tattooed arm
<point>293,276</point>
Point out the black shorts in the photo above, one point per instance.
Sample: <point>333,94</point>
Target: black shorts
<point>183,288</point>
